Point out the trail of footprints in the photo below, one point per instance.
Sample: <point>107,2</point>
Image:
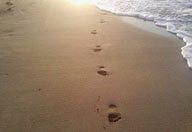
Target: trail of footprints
<point>101,71</point>
<point>113,114</point>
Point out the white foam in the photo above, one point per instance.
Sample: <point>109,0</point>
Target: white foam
<point>174,15</point>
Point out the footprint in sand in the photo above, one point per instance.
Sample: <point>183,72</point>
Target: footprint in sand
<point>9,5</point>
<point>102,21</point>
<point>23,10</point>
<point>6,75</point>
<point>98,99</point>
<point>104,127</point>
<point>97,48</point>
<point>113,114</point>
<point>33,3</point>
<point>101,67</point>
<point>8,32</point>
<point>94,32</point>
<point>102,72</point>
<point>97,110</point>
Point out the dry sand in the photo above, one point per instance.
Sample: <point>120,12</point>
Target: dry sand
<point>62,65</point>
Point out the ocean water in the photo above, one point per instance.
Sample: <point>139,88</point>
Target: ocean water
<point>174,15</point>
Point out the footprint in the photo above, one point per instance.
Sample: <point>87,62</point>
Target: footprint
<point>102,21</point>
<point>98,46</point>
<point>6,75</point>
<point>11,34</point>
<point>94,32</point>
<point>97,110</point>
<point>104,127</point>
<point>102,72</point>
<point>98,99</point>
<point>23,10</point>
<point>101,67</point>
<point>9,5</point>
<point>8,31</point>
<point>32,3</point>
<point>113,115</point>
<point>97,49</point>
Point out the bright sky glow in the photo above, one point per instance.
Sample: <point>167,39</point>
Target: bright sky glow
<point>80,1</point>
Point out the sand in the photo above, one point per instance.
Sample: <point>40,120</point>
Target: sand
<point>62,67</point>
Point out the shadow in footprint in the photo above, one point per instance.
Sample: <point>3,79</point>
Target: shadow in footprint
<point>97,49</point>
<point>102,21</point>
<point>6,75</point>
<point>101,67</point>
<point>98,46</point>
<point>8,31</point>
<point>102,72</point>
<point>94,32</point>
<point>104,127</point>
<point>113,115</point>
<point>97,110</point>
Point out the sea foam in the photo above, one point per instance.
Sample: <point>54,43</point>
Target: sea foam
<point>174,15</point>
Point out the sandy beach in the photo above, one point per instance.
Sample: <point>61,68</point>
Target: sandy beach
<point>66,67</point>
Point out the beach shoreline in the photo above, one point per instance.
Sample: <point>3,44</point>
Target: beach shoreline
<point>67,67</point>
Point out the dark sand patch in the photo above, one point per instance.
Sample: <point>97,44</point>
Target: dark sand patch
<point>97,110</point>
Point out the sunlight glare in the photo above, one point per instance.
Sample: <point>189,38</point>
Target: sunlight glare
<point>80,1</point>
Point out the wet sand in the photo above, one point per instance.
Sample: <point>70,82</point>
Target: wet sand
<point>74,68</point>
